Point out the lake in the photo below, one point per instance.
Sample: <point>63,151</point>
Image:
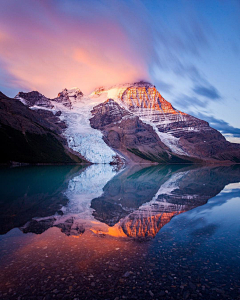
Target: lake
<point>100,232</point>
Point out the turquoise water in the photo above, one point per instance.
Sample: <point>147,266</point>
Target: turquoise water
<point>97,232</point>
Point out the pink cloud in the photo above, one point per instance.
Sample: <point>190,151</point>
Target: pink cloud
<point>47,49</point>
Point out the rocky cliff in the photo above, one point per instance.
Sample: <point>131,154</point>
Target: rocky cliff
<point>128,135</point>
<point>27,137</point>
<point>34,98</point>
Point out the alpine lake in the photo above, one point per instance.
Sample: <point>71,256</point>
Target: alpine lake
<point>100,232</point>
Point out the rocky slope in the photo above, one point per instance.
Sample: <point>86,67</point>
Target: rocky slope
<point>131,123</point>
<point>28,137</point>
<point>128,135</point>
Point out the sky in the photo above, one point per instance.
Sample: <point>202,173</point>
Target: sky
<point>189,49</point>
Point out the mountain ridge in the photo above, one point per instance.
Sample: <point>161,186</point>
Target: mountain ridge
<point>130,123</point>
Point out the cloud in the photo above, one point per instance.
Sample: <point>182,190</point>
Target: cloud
<point>184,101</point>
<point>49,47</point>
<point>52,44</point>
<point>207,91</point>
<point>163,86</point>
<point>220,125</point>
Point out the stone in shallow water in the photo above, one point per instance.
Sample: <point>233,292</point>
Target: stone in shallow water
<point>127,274</point>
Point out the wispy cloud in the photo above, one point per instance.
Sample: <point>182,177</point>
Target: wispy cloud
<point>219,124</point>
<point>49,47</point>
<point>185,101</point>
<point>55,44</point>
<point>163,86</point>
<point>207,91</point>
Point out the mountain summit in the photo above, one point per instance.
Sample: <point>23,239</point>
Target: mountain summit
<point>66,97</point>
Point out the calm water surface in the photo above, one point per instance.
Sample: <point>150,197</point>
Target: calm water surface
<point>159,232</point>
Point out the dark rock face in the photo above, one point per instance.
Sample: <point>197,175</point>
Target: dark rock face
<point>34,98</point>
<point>53,119</point>
<point>107,113</point>
<point>27,137</point>
<point>128,135</point>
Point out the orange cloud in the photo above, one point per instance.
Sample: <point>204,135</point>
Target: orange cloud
<point>48,51</point>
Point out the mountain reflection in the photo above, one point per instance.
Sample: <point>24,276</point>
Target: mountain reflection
<point>28,192</point>
<point>139,203</point>
<point>135,202</point>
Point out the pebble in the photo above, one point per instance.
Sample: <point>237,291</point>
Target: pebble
<point>127,274</point>
<point>151,293</point>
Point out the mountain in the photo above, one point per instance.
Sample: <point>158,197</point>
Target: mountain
<point>34,98</point>
<point>130,123</point>
<point>66,97</point>
<point>125,133</point>
<point>27,137</point>
<point>183,134</point>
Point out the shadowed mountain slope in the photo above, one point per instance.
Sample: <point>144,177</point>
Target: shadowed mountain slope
<point>27,137</point>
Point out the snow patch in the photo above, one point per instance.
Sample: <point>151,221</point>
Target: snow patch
<point>170,141</point>
<point>25,102</point>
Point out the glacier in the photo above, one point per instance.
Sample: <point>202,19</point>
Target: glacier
<point>81,137</point>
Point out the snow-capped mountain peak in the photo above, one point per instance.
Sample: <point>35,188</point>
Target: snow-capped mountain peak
<point>68,96</point>
<point>34,98</point>
<point>73,92</point>
<point>130,118</point>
